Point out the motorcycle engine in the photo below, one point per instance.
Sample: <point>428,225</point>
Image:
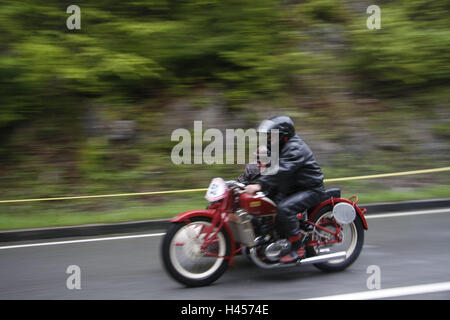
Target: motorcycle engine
<point>273,251</point>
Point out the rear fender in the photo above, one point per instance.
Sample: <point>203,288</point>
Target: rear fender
<point>333,201</point>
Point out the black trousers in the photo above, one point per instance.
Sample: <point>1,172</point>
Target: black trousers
<point>288,208</point>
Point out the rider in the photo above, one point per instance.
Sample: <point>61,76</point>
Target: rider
<point>298,181</point>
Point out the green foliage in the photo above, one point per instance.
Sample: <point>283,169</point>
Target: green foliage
<point>322,11</point>
<point>132,51</point>
<point>409,52</point>
<point>442,130</point>
<point>127,52</point>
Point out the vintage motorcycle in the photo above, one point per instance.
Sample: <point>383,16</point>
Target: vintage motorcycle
<point>200,244</point>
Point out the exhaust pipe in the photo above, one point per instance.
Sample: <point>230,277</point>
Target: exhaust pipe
<point>324,258</point>
<point>316,259</point>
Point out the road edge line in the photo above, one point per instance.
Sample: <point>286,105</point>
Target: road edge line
<point>390,292</point>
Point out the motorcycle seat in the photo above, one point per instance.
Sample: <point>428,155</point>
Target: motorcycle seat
<point>334,192</point>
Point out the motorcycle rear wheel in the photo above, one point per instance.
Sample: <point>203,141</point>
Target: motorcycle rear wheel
<point>353,240</point>
<point>182,256</point>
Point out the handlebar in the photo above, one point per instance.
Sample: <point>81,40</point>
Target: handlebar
<point>232,184</point>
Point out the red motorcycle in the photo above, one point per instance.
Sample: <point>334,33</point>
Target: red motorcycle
<point>200,244</point>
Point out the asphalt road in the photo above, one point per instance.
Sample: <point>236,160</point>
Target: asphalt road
<point>409,249</point>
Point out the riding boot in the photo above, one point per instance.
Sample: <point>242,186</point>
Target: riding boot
<point>297,249</point>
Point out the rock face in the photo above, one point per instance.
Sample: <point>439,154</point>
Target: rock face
<point>204,105</point>
<point>347,139</point>
<point>122,130</point>
<point>92,123</point>
<point>119,130</point>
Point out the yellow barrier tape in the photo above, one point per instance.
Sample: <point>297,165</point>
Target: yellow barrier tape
<point>106,195</point>
<point>385,175</point>
<point>374,176</point>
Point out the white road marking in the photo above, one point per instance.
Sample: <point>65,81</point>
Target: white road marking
<point>390,293</point>
<point>406,213</point>
<point>370,216</point>
<point>81,240</point>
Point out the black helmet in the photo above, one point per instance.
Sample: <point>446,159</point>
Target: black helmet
<point>283,124</point>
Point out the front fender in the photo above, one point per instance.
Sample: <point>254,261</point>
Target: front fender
<point>193,213</point>
<point>332,201</point>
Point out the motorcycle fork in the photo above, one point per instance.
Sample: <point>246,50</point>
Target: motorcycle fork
<point>210,237</point>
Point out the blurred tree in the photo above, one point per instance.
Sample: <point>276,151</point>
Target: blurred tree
<point>409,52</point>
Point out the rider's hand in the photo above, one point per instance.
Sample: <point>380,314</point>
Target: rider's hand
<point>252,188</point>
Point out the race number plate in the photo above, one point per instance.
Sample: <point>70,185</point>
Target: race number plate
<point>216,190</point>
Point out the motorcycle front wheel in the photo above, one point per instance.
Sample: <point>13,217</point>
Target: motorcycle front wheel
<point>183,256</point>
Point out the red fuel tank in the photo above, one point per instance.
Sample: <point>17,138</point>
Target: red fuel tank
<point>257,205</point>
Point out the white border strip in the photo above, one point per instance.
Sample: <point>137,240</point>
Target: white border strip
<point>82,240</point>
<point>406,213</point>
<point>390,293</point>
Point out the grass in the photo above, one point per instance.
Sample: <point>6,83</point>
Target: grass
<point>434,192</point>
<point>65,216</point>
<point>55,217</point>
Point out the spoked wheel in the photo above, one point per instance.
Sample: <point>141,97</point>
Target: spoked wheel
<point>351,239</point>
<point>186,258</point>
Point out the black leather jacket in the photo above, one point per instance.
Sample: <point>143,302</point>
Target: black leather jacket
<point>297,170</point>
